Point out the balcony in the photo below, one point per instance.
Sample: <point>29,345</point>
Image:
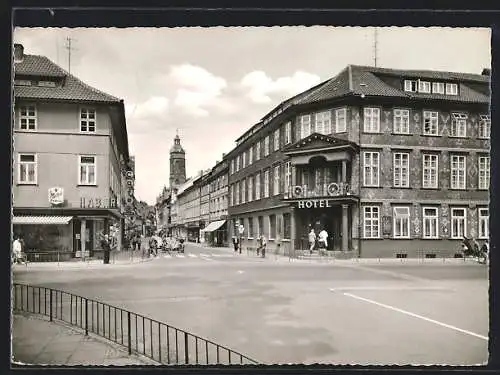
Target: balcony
<point>327,190</point>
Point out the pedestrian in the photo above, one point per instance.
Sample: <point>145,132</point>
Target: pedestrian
<point>323,239</point>
<point>263,245</point>
<point>312,240</point>
<point>17,250</point>
<point>105,244</point>
<point>235,243</point>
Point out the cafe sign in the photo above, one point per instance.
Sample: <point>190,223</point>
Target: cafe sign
<point>97,202</point>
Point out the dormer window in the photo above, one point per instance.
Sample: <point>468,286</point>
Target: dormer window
<point>46,84</point>
<point>451,89</point>
<point>437,87</point>
<point>411,86</point>
<point>424,87</point>
<point>22,82</point>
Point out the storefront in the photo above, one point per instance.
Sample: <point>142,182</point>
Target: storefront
<point>69,233</point>
<point>215,233</point>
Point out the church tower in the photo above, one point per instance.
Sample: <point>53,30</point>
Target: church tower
<point>177,164</point>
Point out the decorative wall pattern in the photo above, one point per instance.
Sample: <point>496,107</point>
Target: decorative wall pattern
<point>472,224</point>
<point>415,230</point>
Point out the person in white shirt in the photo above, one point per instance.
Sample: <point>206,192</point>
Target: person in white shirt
<point>17,250</point>
<point>323,239</point>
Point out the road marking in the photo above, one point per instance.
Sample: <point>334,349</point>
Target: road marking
<point>417,316</point>
<point>192,256</point>
<point>414,288</point>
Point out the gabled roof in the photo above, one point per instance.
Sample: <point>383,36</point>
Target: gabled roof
<point>368,81</point>
<point>72,89</point>
<point>319,141</point>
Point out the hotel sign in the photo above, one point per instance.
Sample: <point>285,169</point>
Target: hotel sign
<point>314,203</point>
<point>97,202</point>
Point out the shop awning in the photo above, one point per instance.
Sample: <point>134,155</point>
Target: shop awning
<point>214,225</point>
<point>43,219</point>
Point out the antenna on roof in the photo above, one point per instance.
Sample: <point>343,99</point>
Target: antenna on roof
<point>69,47</point>
<point>375,41</point>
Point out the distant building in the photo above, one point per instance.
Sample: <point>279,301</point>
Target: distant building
<point>389,162</point>
<point>70,157</point>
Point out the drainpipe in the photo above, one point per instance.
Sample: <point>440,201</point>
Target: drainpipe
<point>359,187</point>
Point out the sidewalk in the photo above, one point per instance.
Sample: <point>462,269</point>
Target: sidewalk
<point>271,256</point>
<point>37,341</point>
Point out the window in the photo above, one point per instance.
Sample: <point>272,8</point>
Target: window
<point>340,120</point>
<point>324,122</point>
<point>257,151</point>
<point>430,123</point>
<point>27,172</point>
<point>250,155</point>
<point>401,121</point>
<point>484,172</point>
<point>451,89</point>
<point>372,120</point>
<point>237,196</point>
<point>371,169</point>
<point>484,223</point>
<point>250,227</point>
<point>401,166</point>
<point>458,223</point>
<point>276,185</point>
<point>250,188</point>
<point>232,166</point>
<point>371,220</point>
<point>401,222</point>
<point>260,222</point>
<point>232,195</point>
<point>46,84</point>
<point>430,222</point>
<point>87,166</point>
<point>257,186</point>
<point>243,191</point>
<point>305,126</point>
<point>87,120</point>
<point>288,176</point>
<point>410,85</point>
<point>272,227</point>
<point>22,82</point>
<point>287,226</point>
<point>457,172</point>
<point>27,117</point>
<point>459,125</point>
<point>237,163</point>
<point>243,159</point>
<point>429,171</point>
<point>288,133</point>
<point>437,87</point>
<point>424,87</point>
<point>266,183</point>
<point>266,146</point>
<point>276,140</point>
<point>484,126</point>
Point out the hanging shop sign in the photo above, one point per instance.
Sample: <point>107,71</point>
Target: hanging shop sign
<point>56,195</point>
<point>97,202</point>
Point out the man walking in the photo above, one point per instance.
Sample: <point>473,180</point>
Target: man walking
<point>323,240</point>
<point>312,240</point>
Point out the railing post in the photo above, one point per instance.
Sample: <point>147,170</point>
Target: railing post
<point>86,317</point>
<point>186,348</point>
<point>129,329</point>
<point>50,304</point>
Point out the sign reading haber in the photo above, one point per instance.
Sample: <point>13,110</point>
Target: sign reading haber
<point>56,195</point>
<point>97,202</point>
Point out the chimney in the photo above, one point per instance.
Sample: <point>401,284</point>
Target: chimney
<point>223,155</point>
<point>18,52</point>
<point>486,72</point>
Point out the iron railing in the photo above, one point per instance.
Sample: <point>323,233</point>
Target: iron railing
<point>139,334</point>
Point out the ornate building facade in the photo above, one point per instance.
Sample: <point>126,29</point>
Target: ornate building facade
<point>389,162</point>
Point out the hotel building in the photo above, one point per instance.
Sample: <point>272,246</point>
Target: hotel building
<point>389,162</point>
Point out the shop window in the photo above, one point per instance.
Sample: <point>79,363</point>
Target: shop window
<point>272,227</point>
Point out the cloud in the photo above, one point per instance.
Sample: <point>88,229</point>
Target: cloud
<point>198,89</point>
<point>262,87</point>
<point>155,106</point>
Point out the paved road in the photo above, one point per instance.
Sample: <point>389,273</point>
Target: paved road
<point>278,311</point>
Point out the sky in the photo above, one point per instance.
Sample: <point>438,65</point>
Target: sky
<point>212,84</point>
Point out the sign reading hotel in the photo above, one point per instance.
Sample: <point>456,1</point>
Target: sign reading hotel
<point>97,202</point>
